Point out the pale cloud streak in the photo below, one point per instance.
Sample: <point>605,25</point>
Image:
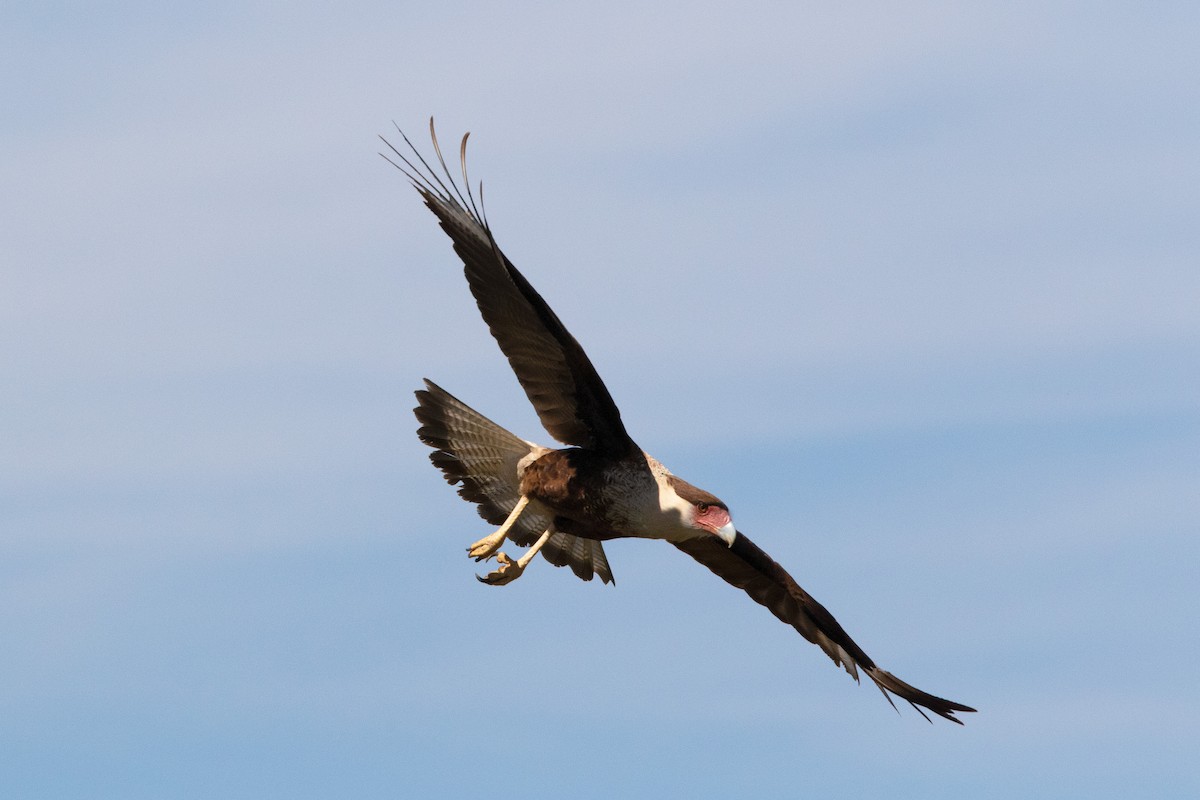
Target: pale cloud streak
<point>943,258</point>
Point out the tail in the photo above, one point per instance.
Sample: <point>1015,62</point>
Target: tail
<point>482,457</point>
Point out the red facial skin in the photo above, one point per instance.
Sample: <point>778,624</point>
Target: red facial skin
<point>711,517</point>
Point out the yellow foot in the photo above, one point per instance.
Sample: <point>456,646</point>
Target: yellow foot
<point>487,546</point>
<point>508,572</point>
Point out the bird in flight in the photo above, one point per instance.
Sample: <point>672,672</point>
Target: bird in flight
<point>565,502</point>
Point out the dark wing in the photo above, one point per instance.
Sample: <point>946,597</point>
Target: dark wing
<point>747,567</point>
<point>561,383</point>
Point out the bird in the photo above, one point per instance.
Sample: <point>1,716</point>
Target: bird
<point>565,502</point>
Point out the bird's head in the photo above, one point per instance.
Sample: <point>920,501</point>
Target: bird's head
<point>714,518</point>
<point>704,512</point>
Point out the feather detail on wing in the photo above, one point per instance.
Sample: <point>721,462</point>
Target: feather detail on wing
<point>482,457</point>
<point>570,399</point>
<point>747,567</point>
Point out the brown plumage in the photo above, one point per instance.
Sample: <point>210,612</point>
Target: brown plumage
<point>482,457</point>
<point>565,502</point>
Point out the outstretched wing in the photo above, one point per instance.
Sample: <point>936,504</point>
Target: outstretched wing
<point>561,383</point>
<point>747,567</point>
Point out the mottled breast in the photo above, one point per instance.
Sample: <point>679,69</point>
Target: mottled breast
<point>606,497</point>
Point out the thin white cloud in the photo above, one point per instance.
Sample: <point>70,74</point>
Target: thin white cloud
<point>916,243</point>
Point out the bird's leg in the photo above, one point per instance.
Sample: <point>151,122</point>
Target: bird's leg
<point>511,570</point>
<point>488,545</point>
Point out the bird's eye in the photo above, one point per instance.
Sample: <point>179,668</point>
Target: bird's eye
<point>702,508</point>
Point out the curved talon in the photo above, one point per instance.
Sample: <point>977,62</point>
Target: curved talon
<point>508,572</point>
<point>486,547</point>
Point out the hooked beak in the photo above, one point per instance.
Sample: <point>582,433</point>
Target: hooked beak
<point>727,533</point>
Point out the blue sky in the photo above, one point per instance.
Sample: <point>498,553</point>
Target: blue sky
<point>913,288</point>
